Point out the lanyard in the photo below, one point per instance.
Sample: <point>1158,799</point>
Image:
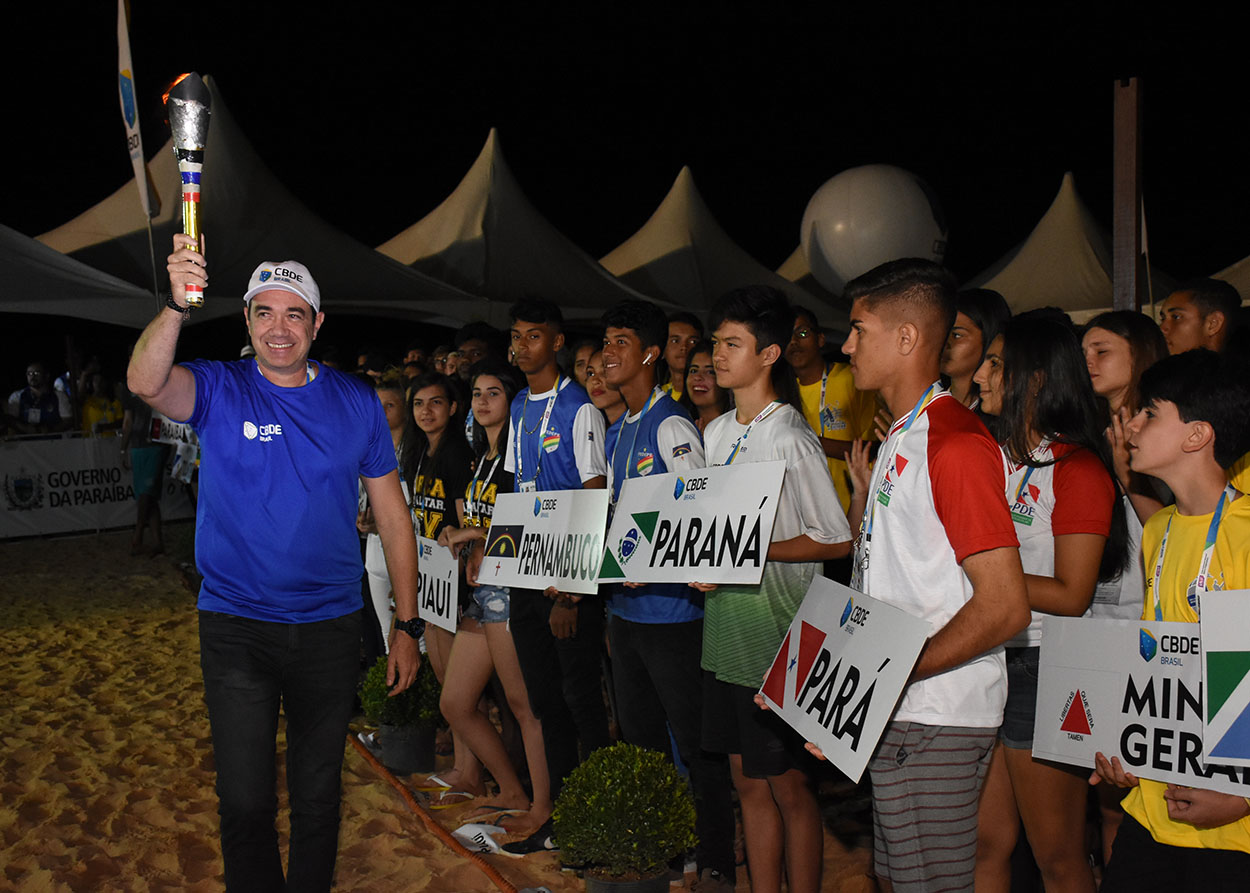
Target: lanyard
<point>542,431</point>
<point>1024,481</point>
<point>742,438</point>
<point>656,394</point>
<point>820,409</point>
<point>883,464</point>
<point>1229,494</point>
<point>475,507</point>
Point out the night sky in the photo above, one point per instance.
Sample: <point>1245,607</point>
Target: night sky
<point>372,114</point>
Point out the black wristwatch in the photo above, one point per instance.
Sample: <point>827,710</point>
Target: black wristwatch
<point>414,627</point>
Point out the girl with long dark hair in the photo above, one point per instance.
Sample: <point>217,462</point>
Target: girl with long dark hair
<point>437,463</point>
<point>702,397</point>
<point>483,643</point>
<point>1070,522</point>
<point>980,315</point>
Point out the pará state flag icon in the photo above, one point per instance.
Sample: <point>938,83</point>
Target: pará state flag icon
<point>1226,677</point>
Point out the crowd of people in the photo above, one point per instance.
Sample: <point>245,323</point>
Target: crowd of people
<point>1026,501</point>
<point>978,470</point>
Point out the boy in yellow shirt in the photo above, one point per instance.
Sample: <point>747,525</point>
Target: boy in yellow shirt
<point>1192,426</point>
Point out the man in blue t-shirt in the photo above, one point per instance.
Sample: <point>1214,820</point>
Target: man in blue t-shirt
<point>656,629</point>
<point>284,442</point>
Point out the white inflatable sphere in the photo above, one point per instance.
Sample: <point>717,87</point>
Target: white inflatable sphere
<point>866,216</point>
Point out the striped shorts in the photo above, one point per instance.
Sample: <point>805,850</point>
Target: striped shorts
<point>926,781</point>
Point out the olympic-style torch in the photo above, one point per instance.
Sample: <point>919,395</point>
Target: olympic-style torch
<point>188,109</point>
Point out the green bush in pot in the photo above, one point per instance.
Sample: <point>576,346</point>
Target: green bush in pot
<point>625,813</point>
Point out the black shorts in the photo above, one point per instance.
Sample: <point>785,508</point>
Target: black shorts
<point>733,723</point>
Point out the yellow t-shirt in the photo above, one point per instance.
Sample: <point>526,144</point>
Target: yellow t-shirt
<point>671,389</point>
<point>1230,569</point>
<point>1239,474</point>
<point>847,415</point>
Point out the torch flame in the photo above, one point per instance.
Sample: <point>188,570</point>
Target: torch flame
<point>174,83</point>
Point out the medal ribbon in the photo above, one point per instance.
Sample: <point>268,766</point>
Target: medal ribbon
<point>884,462</point>
<point>1229,494</point>
<point>542,432</point>
<point>656,394</point>
<point>764,413</point>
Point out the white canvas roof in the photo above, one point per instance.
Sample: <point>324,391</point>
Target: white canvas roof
<point>796,269</point>
<point>489,239</point>
<point>249,216</point>
<point>36,279</point>
<point>1238,276</point>
<point>1064,262</point>
<point>683,255</point>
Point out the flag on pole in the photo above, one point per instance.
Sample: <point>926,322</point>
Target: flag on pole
<point>130,115</point>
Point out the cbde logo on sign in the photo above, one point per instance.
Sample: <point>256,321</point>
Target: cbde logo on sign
<point>544,507</point>
<point>1147,645</point>
<point>686,489</point>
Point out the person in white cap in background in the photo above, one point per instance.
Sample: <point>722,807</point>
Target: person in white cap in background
<point>284,441</point>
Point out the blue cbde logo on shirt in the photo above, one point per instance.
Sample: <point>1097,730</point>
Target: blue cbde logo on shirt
<point>1147,645</point>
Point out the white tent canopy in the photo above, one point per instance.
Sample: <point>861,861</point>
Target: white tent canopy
<point>683,255</point>
<point>36,279</point>
<point>487,238</point>
<point>1065,262</point>
<point>1238,276</point>
<point>796,269</point>
<point>249,216</point>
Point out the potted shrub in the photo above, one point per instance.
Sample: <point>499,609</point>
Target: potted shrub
<point>624,813</point>
<point>407,722</point>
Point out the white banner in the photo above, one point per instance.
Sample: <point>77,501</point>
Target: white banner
<point>130,112</point>
<point>72,484</point>
<point>438,578</point>
<point>1131,689</point>
<point>550,538</point>
<point>185,441</point>
<point>712,525</point>
<point>1226,676</point>
<point>840,671</point>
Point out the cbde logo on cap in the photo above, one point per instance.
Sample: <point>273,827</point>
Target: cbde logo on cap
<point>286,275</point>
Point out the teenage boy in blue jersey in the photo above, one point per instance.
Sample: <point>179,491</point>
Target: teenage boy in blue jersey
<point>555,442</point>
<point>656,629</point>
<point>284,443</point>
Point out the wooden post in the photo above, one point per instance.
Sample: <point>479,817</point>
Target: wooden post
<point>1126,235</point>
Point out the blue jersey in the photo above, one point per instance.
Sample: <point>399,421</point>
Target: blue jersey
<point>554,444</point>
<point>658,440</point>
<point>276,532</point>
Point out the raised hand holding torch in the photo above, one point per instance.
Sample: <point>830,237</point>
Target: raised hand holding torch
<point>188,104</point>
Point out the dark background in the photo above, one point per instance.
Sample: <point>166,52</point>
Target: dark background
<point>372,113</point>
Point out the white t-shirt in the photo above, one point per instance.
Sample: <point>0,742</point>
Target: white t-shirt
<point>1074,495</point>
<point>744,625</point>
<point>937,497</point>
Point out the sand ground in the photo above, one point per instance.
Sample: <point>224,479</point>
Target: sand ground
<point>106,768</point>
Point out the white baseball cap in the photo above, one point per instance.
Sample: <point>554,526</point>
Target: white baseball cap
<point>285,275</point>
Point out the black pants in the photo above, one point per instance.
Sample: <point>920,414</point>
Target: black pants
<point>659,685</point>
<point>251,667</point>
<point>1139,863</point>
<point>564,678</point>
